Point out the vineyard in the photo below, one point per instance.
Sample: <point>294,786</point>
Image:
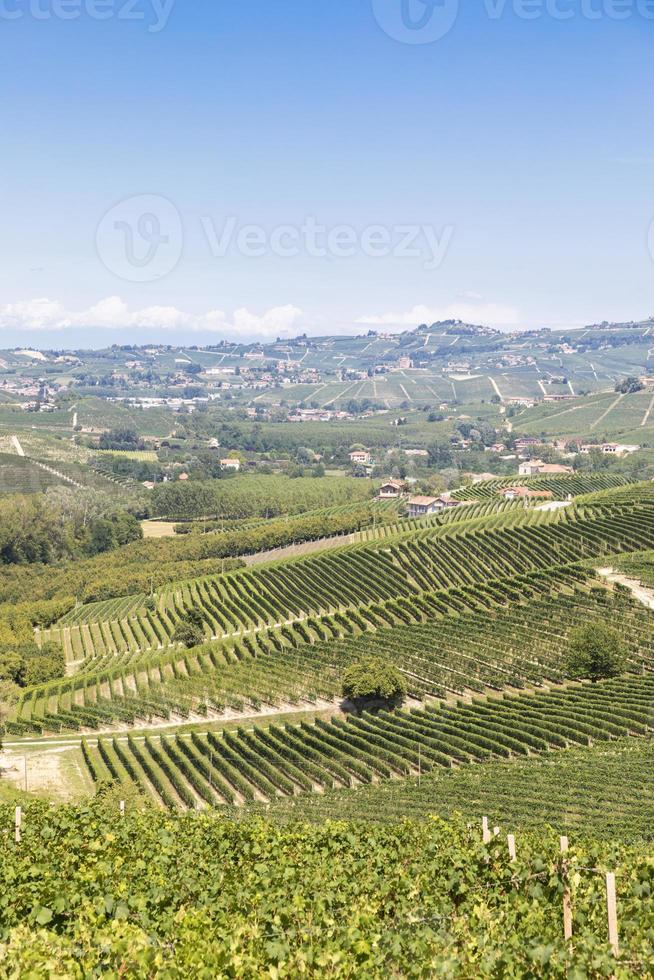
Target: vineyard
<point>150,894</point>
<point>559,486</point>
<point>219,749</point>
<point>19,474</point>
<point>302,660</point>
<point>264,763</point>
<point>582,791</point>
<point>396,567</point>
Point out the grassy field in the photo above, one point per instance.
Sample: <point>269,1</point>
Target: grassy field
<point>603,417</point>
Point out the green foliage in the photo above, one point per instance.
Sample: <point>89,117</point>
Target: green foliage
<point>28,664</point>
<point>188,633</point>
<point>373,678</point>
<point>629,385</point>
<point>596,652</point>
<point>252,496</point>
<point>603,791</point>
<point>121,438</point>
<point>89,894</point>
<point>12,668</point>
<point>45,529</point>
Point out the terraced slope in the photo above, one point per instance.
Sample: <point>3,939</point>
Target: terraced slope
<point>512,632</point>
<point>266,763</point>
<point>347,577</point>
<point>560,486</point>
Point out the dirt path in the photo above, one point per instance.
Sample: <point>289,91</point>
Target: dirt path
<point>54,773</point>
<point>306,548</point>
<point>648,412</point>
<point>617,401</point>
<point>17,446</point>
<point>496,388</point>
<point>159,727</point>
<point>639,591</point>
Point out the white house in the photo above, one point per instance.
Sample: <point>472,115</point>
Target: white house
<point>609,449</point>
<point>421,506</point>
<point>230,464</point>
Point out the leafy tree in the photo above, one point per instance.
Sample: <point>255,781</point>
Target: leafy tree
<point>373,678</point>
<point>38,670</point>
<point>629,385</point>
<point>121,438</point>
<point>188,634</point>
<point>194,617</point>
<point>596,652</point>
<point>12,668</point>
<point>9,693</point>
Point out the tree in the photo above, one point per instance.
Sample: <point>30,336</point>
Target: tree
<point>596,652</point>
<point>373,678</point>
<point>188,633</point>
<point>12,668</point>
<point>629,385</point>
<point>9,693</point>
<point>194,617</point>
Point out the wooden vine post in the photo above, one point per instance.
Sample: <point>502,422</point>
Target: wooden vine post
<point>567,896</point>
<point>611,909</point>
<point>122,808</point>
<point>511,842</point>
<point>17,823</point>
<point>486,834</point>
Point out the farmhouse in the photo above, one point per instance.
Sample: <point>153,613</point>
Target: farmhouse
<point>609,448</point>
<point>391,490</point>
<point>420,506</point>
<point>230,464</point>
<point>527,442</point>
<point>534,467</point>
<point>361,456</point>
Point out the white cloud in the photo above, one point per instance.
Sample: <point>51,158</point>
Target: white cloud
<point>472,309</point>
<point>113,313</point>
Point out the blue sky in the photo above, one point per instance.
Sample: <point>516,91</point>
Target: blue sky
<point>512,158</point>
